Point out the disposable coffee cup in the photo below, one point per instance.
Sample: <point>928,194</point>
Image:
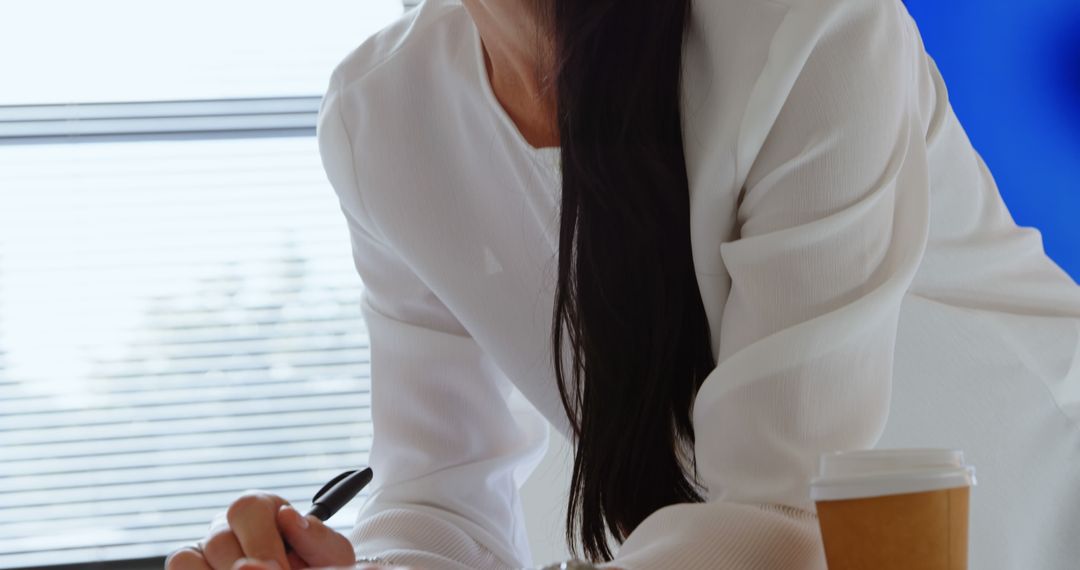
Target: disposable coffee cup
<point>894,509</point>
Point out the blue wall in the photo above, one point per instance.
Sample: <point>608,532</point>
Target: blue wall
<point>1013,72</point>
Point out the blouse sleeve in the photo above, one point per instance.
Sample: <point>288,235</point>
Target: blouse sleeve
<point>833,222</point>
<point>452,442</point>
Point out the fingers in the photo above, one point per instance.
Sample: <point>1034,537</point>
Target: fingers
<point>186,559</point>
<point>297,562</point>
<point>254,564</point>
<point>222,550</point>
<point>252,519</point>
<point>313,541</point>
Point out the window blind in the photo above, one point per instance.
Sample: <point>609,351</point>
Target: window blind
<point>179,322</point>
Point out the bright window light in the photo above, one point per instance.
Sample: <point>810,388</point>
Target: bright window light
<point>179,315</point>
<point>179,322</point>
<point>63,51</point>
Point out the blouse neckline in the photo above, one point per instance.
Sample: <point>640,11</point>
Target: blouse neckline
<point>549,156</point>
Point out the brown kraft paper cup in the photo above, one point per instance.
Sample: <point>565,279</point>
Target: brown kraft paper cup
<point>894,509</point>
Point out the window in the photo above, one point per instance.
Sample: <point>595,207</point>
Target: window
<point>179,317</point>
<point>66,51</point>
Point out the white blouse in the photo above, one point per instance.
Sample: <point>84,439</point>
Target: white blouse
<point>864,284</point>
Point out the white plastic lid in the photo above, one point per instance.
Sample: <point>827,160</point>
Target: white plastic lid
<point>880,472</point>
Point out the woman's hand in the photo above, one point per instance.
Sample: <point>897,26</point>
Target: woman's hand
<point>260,525</point>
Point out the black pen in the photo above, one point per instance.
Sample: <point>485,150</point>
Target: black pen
<point>336,492</point>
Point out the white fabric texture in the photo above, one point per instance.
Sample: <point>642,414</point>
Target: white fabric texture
<point>864,283</point>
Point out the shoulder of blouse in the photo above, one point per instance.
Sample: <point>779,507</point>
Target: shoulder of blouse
<point>412,31</point>
<point>803,29</point>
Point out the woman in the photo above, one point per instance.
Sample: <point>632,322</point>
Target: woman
<point>706,242</point>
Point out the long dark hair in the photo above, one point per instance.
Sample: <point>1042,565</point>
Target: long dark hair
<point>626,293</point>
